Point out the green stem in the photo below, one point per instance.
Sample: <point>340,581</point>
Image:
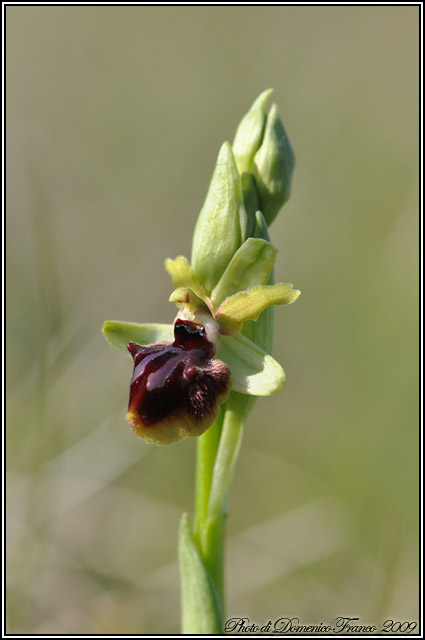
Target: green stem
<point>209,538</point>
<point>207,446</point>
<point>237,408</point>
<point>216,457</point>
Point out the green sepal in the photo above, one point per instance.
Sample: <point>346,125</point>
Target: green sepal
<point>221,225</point>
<point>183,275</point>
<point>250,132</point>
<point>247,305</point>
<point>201,610</point>
<point>273,166</point>
<point>254,371</point>
<point>251,265</point>
<point>119,334</point>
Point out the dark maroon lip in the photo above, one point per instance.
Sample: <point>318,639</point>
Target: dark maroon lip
<point>178,382</point>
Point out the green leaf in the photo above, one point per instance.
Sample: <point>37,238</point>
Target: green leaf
<point>251,265</point>
<point>273,166</point>
<point>183,275</point>
<point>253,370</point>
<point>201,611</point>
<point>250,132</point>
<point>247,305</point>
<point>119,334</point>
<point>221,225</point>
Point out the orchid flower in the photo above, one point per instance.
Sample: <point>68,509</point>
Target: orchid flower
<point>178,383</point>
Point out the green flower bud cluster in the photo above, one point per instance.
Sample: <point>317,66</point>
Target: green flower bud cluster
<point>253,175</point>
<point>264,158</point>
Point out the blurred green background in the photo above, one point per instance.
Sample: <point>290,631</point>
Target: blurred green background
<point>115,119</point>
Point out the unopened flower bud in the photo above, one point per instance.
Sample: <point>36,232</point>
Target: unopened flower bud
<point>272,167</point>
<point>249,133</point>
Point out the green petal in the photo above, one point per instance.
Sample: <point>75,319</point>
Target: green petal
<point>247,305</point>
<point>201,611</point>
<point>183,275</point>
<point>119,334</point>
<point>253,370</point>
<point>251,265</point>
<point>221,225</point>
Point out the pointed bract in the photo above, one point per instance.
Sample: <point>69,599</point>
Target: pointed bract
<point>221,225</point>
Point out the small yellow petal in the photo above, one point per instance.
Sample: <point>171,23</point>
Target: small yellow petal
<point>183,275</point>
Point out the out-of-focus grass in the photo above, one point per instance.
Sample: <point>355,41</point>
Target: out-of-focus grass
<point>115,116</point>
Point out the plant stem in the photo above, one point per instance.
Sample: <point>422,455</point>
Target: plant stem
<point>217,452</point>
<point>209,538</point>
<point>207,446</point>
<point>237,408</point>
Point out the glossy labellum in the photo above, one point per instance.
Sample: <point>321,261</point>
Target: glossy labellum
<point>176,387</point>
